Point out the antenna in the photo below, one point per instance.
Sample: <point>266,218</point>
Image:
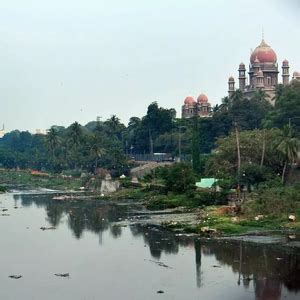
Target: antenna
<point>263,33</point>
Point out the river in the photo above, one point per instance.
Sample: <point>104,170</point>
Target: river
<point>106,260</point>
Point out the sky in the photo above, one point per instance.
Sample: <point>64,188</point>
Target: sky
<point>73,60</point>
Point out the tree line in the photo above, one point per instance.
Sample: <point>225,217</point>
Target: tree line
<point>111,144</point>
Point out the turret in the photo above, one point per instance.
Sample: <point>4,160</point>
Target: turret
<point>260,79</point>
<point>242,76</point>
<point>231,86</point>
<point>285,72</point>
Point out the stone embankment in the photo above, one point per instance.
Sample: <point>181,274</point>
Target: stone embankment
<point>146,168</point>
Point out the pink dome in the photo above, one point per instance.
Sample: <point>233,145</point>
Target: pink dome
<point>296,74</point>
<point>202,98</point>
<point>264,53</point>
<point>189,100</point>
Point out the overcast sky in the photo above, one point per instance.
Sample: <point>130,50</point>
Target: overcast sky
<point>72,60</point>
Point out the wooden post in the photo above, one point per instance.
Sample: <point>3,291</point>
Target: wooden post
<point>238,157</point>
<point>263,149</point>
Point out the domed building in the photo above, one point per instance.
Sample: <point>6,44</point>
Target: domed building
<point>192,108</point>
<point>263,73</point>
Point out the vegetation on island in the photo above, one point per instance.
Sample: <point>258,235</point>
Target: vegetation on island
<point>248,145</point>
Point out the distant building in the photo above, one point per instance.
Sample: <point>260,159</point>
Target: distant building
<point>2,132</point>
<point>263,73</point>
<point>192,108</point>
<point>41,131</point>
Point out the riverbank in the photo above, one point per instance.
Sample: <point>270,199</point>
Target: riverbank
<point>180,213</point>
<point>26,179</point>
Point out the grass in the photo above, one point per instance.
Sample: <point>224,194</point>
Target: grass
<point>159,202</point>
<point>226,224</point>
<point>128,193</point>
<point>26,179</point>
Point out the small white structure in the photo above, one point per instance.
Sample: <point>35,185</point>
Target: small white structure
<point>108,185</point>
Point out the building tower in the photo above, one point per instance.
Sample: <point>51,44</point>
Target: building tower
<point>285,72</point>
<point>189,107</point>
<point>242,76</point>
<point>230,86</point>
<point>260,79</point>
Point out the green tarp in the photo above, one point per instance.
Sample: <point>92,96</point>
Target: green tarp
<point>206,183</point>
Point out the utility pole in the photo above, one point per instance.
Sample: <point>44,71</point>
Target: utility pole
<point>263,149</point>
<point>179,144</point>
<point>238,148</point>
<point>238,158</point>
<point>151,143</point>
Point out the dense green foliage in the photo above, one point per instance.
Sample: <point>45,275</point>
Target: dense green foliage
<point>110,144</point>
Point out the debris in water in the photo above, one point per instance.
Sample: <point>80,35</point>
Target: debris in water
<point>215,266</point>
<point>47,228</point>
<point>161,264</point>
<point>279,258</point>
<point>15,276</point>
<point>4,209</point>
<point>160,292</point>
<point>5,215</point>
<point>62,274</point>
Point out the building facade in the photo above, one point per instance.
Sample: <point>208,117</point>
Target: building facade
<point>263,73</point>
<point>192,108</point>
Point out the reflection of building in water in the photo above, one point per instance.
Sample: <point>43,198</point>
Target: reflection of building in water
<point>268,289</point>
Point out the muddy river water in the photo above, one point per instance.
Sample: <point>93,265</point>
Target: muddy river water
<point>102,258</point>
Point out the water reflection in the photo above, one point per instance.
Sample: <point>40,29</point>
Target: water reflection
<point>268,269</point>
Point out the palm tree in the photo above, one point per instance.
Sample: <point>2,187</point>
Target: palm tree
<point>96,150</point>
<point>226,103</point>
<point>261,95</point>
<point>52,141</point>
<point>288,148</point>
<point>75,134</point>
<point>75,139</point>
<point>216,108</point>
<point>237,96</point>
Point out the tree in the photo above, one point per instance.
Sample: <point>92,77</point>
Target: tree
<point>288,147</point>
<point>287,107</point>
<point>224,160</point>
<point>75,134</point>
<point>97,150</point>
<point>52,141</point>
<point>226,102</point>
<point>179,177</point>
<point>196,146</point>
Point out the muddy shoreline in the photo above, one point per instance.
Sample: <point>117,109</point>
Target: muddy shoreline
<point>178,220</point>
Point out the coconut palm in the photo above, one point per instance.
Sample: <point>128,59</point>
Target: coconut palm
<point>237,96</point>
<point>97,150</point>
<point>288,148</point>
<point>261,95</point>
<point>75,134</point>
<point>226,103</point>
<point>52,141</point>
